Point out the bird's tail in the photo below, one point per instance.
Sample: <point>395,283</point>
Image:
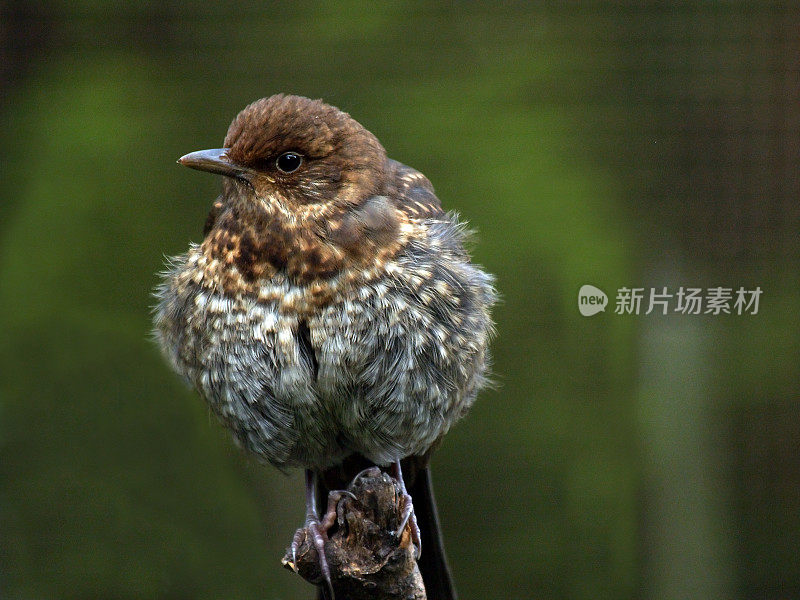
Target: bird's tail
<point>432,561</point>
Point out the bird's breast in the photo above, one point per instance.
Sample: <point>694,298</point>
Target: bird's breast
<point>309,248</point>
<point>378,360</point>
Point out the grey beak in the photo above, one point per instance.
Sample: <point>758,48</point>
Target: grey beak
<point>215,161</point>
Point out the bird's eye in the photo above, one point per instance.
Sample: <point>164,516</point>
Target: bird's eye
<point>289,162</point>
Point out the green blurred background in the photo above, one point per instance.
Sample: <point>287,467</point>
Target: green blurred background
<point>620,144</point>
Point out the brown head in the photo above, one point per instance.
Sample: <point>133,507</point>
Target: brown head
<point>295,151</point>
<point>299,192</point>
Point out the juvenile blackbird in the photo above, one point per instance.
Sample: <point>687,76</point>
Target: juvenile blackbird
<point>331,316</point>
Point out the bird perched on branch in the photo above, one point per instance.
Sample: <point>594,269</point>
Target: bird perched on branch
<point>331,316</point>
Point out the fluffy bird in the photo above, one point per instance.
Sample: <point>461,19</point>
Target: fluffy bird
<point>331,316</point>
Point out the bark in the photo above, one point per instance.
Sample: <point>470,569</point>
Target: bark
<point>366,558</point>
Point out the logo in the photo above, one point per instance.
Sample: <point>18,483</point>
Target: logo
<point>718,300</point>
<point>591,300</point>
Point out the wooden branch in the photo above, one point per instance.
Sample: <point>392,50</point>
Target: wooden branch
<point>366,559</point>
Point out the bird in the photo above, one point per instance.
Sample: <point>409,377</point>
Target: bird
<point>331,317</point>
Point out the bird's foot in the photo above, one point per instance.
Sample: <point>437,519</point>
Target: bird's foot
<point>333,513</point>
<point>407,517</point>
<point>318,531</point>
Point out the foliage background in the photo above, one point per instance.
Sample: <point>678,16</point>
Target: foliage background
<point>621,144</point>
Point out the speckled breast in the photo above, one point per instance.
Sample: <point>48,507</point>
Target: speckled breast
<point>381,364</point>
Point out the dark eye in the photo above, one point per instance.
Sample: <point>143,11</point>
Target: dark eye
<point>289,162</point>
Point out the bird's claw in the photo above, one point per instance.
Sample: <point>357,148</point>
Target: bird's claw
<point>319,536</point>
<point>318,531</point>
<point>408,518</point>
<point>332,512</point>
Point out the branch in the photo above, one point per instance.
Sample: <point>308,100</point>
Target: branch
<point>365,558</point>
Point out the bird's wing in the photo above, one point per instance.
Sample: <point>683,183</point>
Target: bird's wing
<point>413,193</point>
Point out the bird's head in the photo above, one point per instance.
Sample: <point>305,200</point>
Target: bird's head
<point>302,193</point>
<point>296,155</point>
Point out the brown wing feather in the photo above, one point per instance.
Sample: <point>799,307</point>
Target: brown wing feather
<point>413,193</point>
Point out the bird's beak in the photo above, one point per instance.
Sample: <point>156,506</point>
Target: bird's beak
<point>215,161</point>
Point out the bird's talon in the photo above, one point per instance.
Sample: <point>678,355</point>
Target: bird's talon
<point>332,513</point>
<point>407,517</point>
